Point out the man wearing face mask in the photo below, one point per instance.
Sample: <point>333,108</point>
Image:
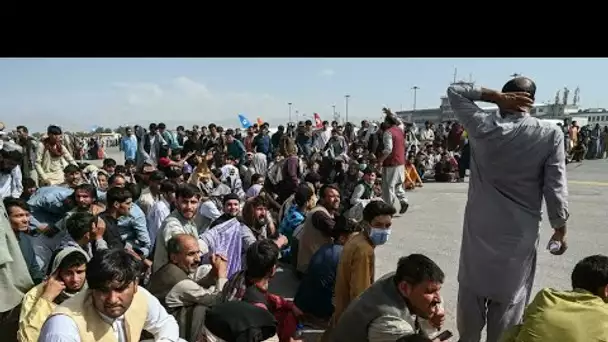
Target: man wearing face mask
<point>404,305</point>
<point>356,267</point>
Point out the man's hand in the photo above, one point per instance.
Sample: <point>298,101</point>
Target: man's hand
<point>133,253</point>
<point>559,236</point>
<point>52,287</point>
<point>43,228</point>
<point>50,231</point>
<point>99,228</point>
<point>515,102</point>
<point>220,265</point>
<point>281,241</point>
<point>438,317</point>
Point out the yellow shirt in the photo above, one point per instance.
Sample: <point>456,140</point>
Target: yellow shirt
<point>564,316</point>
<point>34,311</point>
<point>355,272</point>
<point>355,275</point>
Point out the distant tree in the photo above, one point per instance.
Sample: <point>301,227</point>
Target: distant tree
<point>121,130</point>
<point>37,135</point>
<point>108,130</point>
<point>99,130</point>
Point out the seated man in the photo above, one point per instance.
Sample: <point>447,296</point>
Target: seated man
<point>302,202</point>
<point>113,308</point>
<point>251,286</point>
<point>119,201</point>
<point>444,169</point>
<point>133,226</point>
<point>184,298</point>
<point>84,199</point>
<point>183,220</point>
<point>85,231</point>
<point>66,277</point>
<point>397,306</point>
<point>569,316</point>
<point>356,267</point>
<point>231,208</point>
<point>19,217</point>
<point>315,293</point>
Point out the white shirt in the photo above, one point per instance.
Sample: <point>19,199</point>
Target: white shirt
<point>62,328</point>
<point>10,184</point>
<point>146,200</point>
<point>209,210</point>
<point>229,171</point>
<point>323,138</point>
<point>158,213</point>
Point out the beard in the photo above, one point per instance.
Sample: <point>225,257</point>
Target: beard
<point>260,222</point>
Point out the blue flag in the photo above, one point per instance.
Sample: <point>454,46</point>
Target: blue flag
<point>244,122</point>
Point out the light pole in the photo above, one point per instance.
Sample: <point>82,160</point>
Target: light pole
<point>346,97</point>
<point>333,112</point>
<point>415,88</point>
<point>289,104</point>
<point>297,115</point>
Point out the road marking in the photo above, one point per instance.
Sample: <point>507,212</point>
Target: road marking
<point>588,183</point>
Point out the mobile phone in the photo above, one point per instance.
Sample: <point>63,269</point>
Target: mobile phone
<point>444,335</point>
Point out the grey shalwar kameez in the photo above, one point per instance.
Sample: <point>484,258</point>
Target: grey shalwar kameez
<point>515,161</point>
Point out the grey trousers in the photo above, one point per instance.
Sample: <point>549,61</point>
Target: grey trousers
<point>474,312</point>
<point>392,184</point>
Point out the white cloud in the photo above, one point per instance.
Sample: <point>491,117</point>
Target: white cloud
<point>185,101</point>
<point>327,72</point>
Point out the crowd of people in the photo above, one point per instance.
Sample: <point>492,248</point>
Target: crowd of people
<point>182,241</point>
<point>585,142</point>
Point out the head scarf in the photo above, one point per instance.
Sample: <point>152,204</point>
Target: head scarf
<point>55,266</point>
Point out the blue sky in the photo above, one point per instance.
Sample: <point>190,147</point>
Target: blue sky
<point>80,93</point>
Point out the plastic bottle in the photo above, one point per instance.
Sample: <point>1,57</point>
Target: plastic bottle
<point>299,333</point>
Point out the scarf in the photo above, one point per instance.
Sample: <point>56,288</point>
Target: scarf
<point>63,296</point>
<point>225,239</point>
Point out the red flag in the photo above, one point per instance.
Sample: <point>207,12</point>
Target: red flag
<point>318,122</point>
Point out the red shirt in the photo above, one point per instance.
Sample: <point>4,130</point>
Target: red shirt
<point>164,162</point>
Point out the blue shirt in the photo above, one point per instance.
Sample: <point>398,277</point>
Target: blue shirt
<point>129,147</point>
<point>316,290</point>
<point>134,230</point>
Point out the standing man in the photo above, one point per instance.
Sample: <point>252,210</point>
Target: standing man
<point>30,149</point>
<point>392,162</point>
<point>128,144</point>
<point>515,161</point>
